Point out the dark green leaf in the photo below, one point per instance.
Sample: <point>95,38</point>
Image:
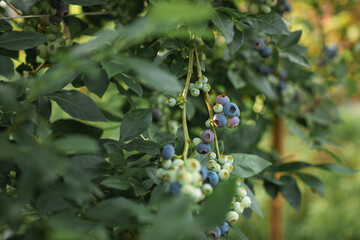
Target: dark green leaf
<point>225,24</point>
<point>170,43</point>
<point>238,232</point>
<point>209,39</point>
<point>78,105</point>
<point>291,192</point>
<point>313,182</point>
<point>112,68</point>
<point>152,76</point>
<point>76,144</point>
<point>179,67</point>
<point>5,25</point>
<point>86,2</point>
<point>247,165</point>
<point>97,82</point>
<point>143,146</point>
<point>290,40</point>
<point>6,67</point>
<point>116,182</point>
<point>271,189</point>
<point>70,126</point>
<point>24,5</point>
<point>123,91</point>
<point>295,56</point>
<point>237,42</point>
<point>94,166</point>
<point>132,84</point>
<point>336,168</point>
<point>21,40</point>
<point>134,123</point>
<point>275,57</point>
<point>271,24</point>
<point>236,79</point>
<point>291,166</point>
<point>213,213</point>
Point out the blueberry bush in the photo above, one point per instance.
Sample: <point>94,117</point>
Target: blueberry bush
<point>143,119</point>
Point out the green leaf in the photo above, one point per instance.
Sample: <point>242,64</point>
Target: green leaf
<point>92,165</point>
<point>24,5</point>
<point>291,192</point>
<point>254,203</point>
<point>116,182</point>
<point>209,38</point>
<point>295,56</point>
<point>313,182</point>
<point>132,84</point>
<point>143,146</point>
<point>225,24</point>
<point>170,44</point>
<point>134,123</point>
<point>336,168</point>
<point>76,144</point>
<point>97,82</point>
<point>290,40</point>
<point>291,166</point>
<point>247,165</point>
<point>5,25</point>
<point>70,126</point>
<point>275,57</point>
<point>78,105</point>
<point>179,67</point>
<point>213,213</point>
<point>6,67</point>
<point>271,24</point>
<point>237,42</point>
<point>123,91</point>
<point>112,68</point>
<point>86,2</point>
<point>151,75</point>
<point>238,232</point>
<point>16,40</point>
<point>236,79</point>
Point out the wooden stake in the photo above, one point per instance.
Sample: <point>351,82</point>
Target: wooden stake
<point>276,206</point>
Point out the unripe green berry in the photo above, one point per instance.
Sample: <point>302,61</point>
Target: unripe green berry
<point>217,167</point>
<point>222,159</point>
<point>207,189</point>
<point>41,51</point>
<point>232,217</point>
<point>52,48</point>
<point>199,84</point>
<point>159,173</point>
<point>265,8</point>
<point>224,174</point>
<point>239,208</point>
<point>184,177</point>
<point>240,191</point>
<point>218,108</point>
<point>271,3</point>
<point>238,182</point>
<point>204,79</point>
<point>51,36</point>
<point>208,123</point>
<point>206,88</point>
<point>193,165</point>
<point>196,141</point>
<point>191,86</point>
<point>177,164</point>
<point>195,92</point>
<point>211,164</point>
<point>197,179</point>
<point>171,102</point>
<point>254,8</point>
<point>246,201</point>
<point>230,159</point>
<point>166,164</point>
<point>212,155</point>
<point>173,126</point>
<point>228,166</point>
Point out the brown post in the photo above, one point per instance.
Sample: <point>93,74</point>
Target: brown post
<point>276,206</point>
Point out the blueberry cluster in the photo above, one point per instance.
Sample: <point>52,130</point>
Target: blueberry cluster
<point>226,113</point>
<point>264,51</point>
<point>185,177</point>
<point>49,49</point>
<point>62,10</point>
<point>201,84</point>
<point>161,113</point>
<point>263,6</point>
<point>202,145</point>
<point>284,7</point>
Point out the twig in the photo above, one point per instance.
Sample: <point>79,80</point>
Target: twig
<point>209,106</point>
<point>40,16</point>
<point>18,12</point>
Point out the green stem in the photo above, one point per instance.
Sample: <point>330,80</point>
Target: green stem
<point>187,140</point>
<point>209,106</point>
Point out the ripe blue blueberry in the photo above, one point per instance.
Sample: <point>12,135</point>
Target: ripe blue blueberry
<point>156,114</point>
<point>287,7</point>
<point>215,233</point>
<point>212,178</point>
<point>231,110</point>
<point>259,45</point>
<point>167,151</point>
<point>224,228</point>
<point>219,120</point>
<point>222,99</point>
<point>266,52</point>
<point>233,122</point>
<point>175,188</point>
<point>283,75</point>
<point>281,86</point>
<point>207,136</point>
<point>203,172</point>
<point>203,148</point>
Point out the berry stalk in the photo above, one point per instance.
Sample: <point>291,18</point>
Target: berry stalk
<point>209,106</point>
<point>187,140</point>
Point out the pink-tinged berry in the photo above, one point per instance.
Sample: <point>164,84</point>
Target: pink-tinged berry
<point>222,99</point>
<point>233,122</point>
<point>232,217</point>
